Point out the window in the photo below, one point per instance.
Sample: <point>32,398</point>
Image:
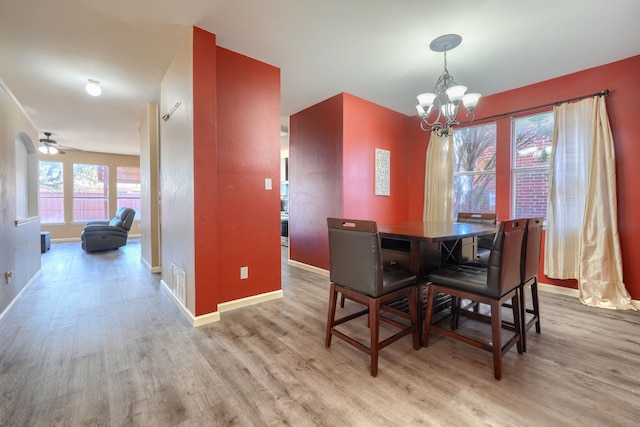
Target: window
<point>475,169</point>
<point>51,192</point>
<point>90,192</point>
<point>128,186</point>
<point>531,148</point>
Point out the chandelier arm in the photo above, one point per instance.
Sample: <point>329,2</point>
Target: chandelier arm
<point>469,114</point>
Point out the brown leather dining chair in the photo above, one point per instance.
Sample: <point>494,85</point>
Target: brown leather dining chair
<point>530,264</point>
<point>484,243</point>
<point>493,285</point>
<point>356,272</point>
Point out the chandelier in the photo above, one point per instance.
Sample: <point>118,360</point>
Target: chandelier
<point>447,95</point>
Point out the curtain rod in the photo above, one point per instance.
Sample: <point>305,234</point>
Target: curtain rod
<point>603,93</point>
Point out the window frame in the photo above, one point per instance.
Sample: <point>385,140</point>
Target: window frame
<point>474,173</point>
<point>515,170</point>
<point>138,197</point>
<point>105,197</point>
<point>62,194</point>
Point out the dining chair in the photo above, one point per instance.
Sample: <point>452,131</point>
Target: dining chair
<point>530,265</point>
<point>356,272</point>
<point>484,243</point>
<point>497,283</point>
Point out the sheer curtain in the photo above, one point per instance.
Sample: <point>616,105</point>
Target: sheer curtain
<point>582,227</point>
<point>438,179</point>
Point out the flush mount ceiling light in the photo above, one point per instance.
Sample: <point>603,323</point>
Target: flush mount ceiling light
<point>93,88</point>
<point>447,94</point>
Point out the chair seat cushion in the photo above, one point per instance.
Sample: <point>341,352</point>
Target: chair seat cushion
<point>463,277</point>
<point>396,279</point>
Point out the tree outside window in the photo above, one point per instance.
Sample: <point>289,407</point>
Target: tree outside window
<point>475,169</point>
<point>90,192</point>
<point>51,180</point>
<point>531,150</point>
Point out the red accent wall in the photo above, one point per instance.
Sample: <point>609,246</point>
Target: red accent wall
<point>315,179</point>
<point>236,146</point>
<point>247,216</point>
<point>205,171</point>
<point>368,126</point>
<point>332,152</point>
<point>418,143</point>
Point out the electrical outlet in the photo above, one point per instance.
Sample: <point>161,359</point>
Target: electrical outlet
<point>244,272</point>
<point>268,185</point>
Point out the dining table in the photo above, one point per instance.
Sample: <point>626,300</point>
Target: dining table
<point>424,246</point>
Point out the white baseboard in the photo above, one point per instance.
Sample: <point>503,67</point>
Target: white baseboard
<point>308,267</point>
<point>554,289</point>
<point>247,301</point>
<point>194,320</point>
<point>8,307</point>
<point>205,319</point>
<point>153,270</point>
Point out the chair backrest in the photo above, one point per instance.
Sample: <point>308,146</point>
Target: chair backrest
<point>478,217</point>
<point>531,248</point>
<point>355,258</point>
<point>123,219</point>
<point>504,270</point>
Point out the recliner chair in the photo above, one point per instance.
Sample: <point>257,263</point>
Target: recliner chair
<point>105,235</point>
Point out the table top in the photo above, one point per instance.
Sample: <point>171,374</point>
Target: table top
<point>433,231</point>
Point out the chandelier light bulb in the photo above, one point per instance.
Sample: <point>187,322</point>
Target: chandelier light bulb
<point>93,88</point>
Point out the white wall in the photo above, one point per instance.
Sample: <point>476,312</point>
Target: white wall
<point>19,243</point>
<point>149,164</point>
<point>176,170</point>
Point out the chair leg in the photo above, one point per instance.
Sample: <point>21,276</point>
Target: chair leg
<point>333,295</point>
<point>517,320</point>
<point>374,327</point>
<point>415,321</point>
<point>523,319</point>
<point>427,317</point>
<point>496,329</point>
<point>534,299</point>
<point>455,307</point>
<point>524,310</point>
<point>341,301</point>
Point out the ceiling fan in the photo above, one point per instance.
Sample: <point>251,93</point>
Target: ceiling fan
<point>50,146</point>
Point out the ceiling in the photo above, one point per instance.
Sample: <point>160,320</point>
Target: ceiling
<point>374,49</point>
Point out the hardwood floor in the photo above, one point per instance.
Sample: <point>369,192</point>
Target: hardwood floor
<point>96,341</point>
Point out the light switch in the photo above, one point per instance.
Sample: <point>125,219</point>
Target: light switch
<point>244,273</point>
<point>267,184</point>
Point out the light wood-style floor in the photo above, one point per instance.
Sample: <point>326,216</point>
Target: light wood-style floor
<point>96,341</point>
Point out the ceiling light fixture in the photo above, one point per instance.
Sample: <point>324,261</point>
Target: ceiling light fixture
<point>48,150</point>
<point>447,94</point>
<point>93,88</point>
